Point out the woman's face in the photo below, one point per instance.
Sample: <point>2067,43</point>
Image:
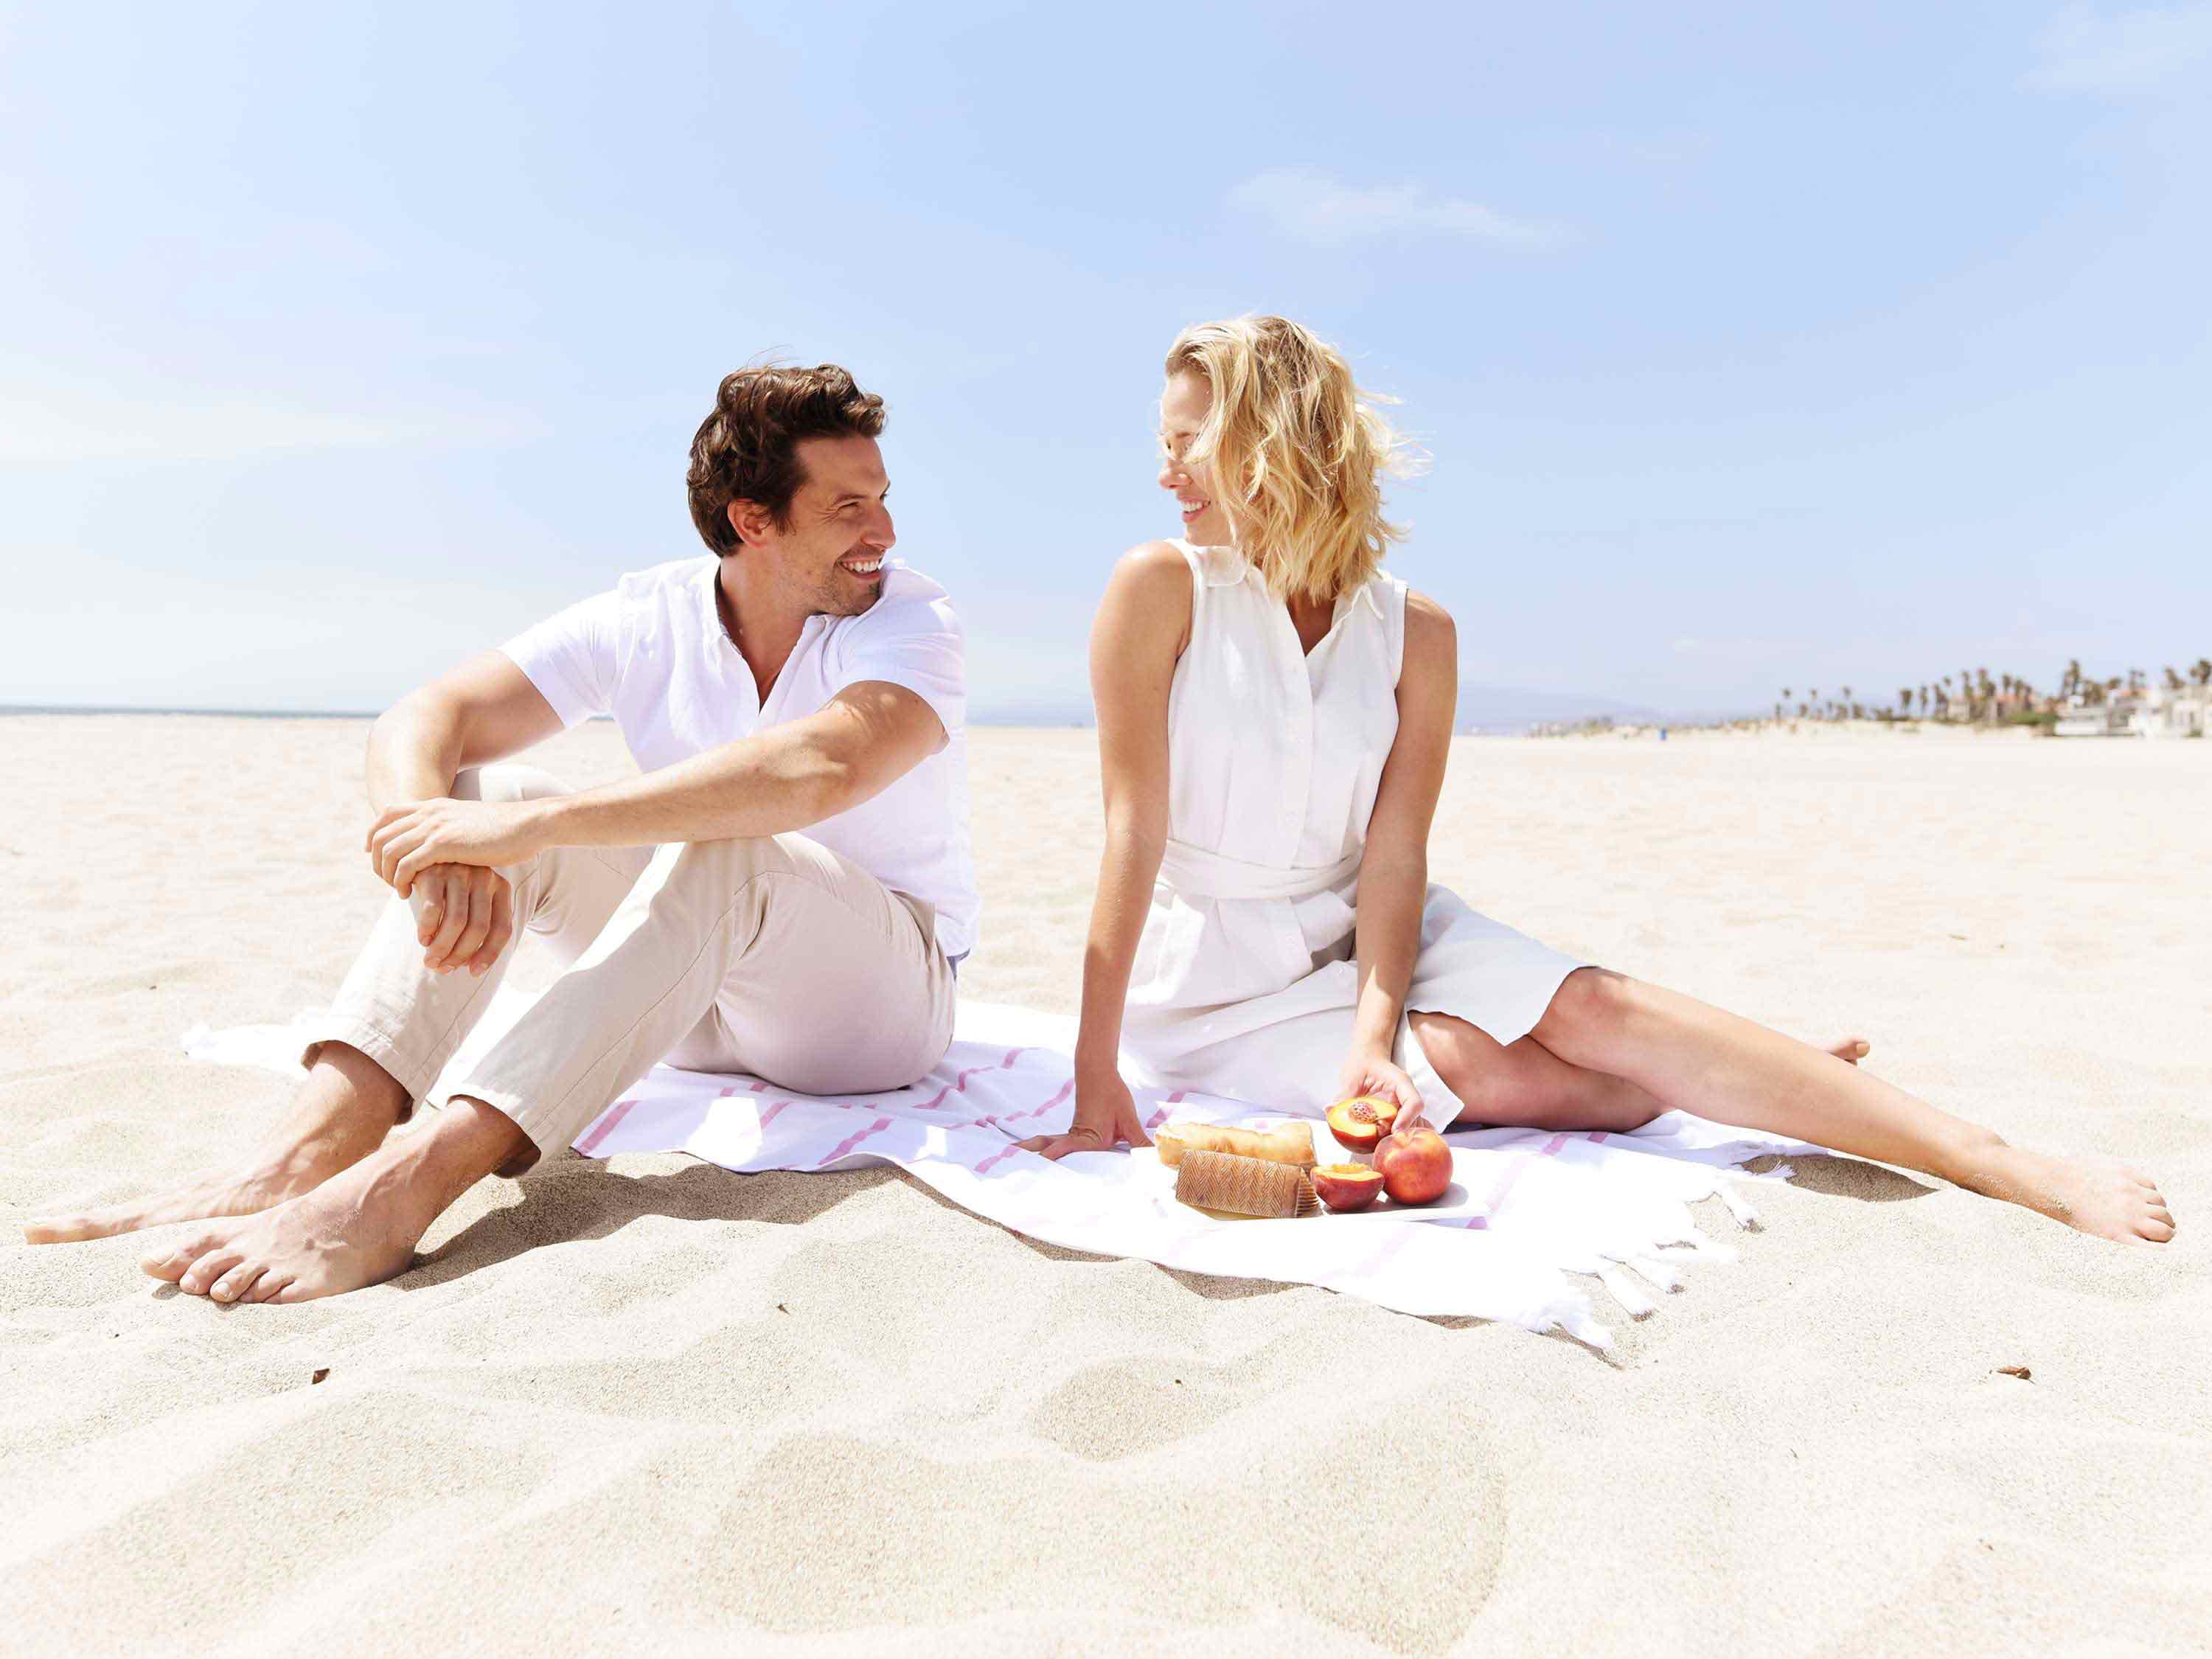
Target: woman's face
<point>1183,407</point>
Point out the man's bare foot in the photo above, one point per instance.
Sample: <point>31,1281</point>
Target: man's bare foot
<point>2101,1196</point>
<point>1852,1050</point>
<point>247,1194</point>
<point>343,1113</point>
<point>358,1228</point>
<point>343,1235</point>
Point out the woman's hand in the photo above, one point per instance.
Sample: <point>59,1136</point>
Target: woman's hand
<point>408,840</point>
<point>1105,1116</point>
<point>1373,1073</point>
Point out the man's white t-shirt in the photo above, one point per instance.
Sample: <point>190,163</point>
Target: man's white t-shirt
<point>653,655</point>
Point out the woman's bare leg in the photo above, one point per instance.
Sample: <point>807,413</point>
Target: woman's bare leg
<point>1525,1086</point>
<point>1721,1067</point>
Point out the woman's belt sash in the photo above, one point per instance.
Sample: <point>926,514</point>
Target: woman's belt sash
<point>1193,873</point>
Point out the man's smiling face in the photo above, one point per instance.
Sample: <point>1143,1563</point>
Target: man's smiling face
<point>831,551</point>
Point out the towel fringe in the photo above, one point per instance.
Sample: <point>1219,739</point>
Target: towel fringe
<point>1623,1290</point>
<point>1739,1207</point>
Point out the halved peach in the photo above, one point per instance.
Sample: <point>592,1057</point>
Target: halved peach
<point>1360,1123</point>
<point>1346,1187</point>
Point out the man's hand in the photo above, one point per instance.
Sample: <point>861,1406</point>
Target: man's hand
<point>408,839</point>
<point>1374,1074</point>
<point>1105,1116</point>
<point>465,918</point>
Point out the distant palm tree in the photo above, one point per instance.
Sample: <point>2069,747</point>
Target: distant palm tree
<point>2172,680</point>
<point>2202,673</point>
<point>1904,700</point>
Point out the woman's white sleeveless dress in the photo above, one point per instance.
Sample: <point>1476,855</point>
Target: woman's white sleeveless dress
<point>1244,984</point>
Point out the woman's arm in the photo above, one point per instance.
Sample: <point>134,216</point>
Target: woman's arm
<point>1394,869</point>
<point>1136,639</point>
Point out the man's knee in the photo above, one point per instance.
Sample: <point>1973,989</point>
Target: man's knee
<point>695,885</point>
<point>724,865</point>
<point>507,781</point>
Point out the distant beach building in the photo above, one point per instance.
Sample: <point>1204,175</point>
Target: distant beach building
<point>2162,711</point>
<point>2154,712</point>
<point>2082,719</point>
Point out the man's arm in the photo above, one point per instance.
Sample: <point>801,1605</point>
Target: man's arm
<point>482,711</point>
<point>853,748</point>
<point>789,777</point>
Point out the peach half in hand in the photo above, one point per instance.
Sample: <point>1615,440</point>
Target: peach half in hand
<point>1346,1187</point>
<point>1360,1123</point>
<point>1416,1167</point>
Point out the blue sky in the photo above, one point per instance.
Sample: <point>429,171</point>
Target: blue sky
<point>1752,345</point>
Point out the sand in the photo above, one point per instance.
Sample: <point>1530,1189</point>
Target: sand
<point>652,1404</point>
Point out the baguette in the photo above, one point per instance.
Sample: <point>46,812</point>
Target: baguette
<point>1291,1144</point>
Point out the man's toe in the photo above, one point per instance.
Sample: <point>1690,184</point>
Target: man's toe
<point>201,1276</point>
<point>234,1286</point>
<point>172,1264</point>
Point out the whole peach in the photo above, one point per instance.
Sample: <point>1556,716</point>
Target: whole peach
<point>1415,1165</point>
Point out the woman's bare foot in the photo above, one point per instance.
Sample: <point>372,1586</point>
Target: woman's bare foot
<point>358,1228</point>
<point>344,1109</point>
<point>2101,1196</point>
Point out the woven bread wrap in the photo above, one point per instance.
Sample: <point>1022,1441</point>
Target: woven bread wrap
<point>1244,1186</point>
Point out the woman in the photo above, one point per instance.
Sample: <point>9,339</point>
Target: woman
<point>1274,714</point>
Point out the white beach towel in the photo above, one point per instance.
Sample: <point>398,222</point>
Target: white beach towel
<point>1532,1206</point>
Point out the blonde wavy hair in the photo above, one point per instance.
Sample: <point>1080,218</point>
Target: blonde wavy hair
<point>1297,452</point>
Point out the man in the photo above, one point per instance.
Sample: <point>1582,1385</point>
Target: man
<point>796,681</point>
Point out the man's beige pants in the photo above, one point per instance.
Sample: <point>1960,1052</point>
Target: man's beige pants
<point>773,956</point>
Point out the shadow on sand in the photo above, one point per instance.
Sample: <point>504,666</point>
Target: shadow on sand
<point>1838,1176</point>
<point>580,1199</point>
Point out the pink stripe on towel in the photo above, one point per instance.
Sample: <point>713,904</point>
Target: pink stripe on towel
<point>1161,1116</point>
<point>769,1116</point>
<point>852,1140</point>
<point>1066,1089</point>
<point>959,1084</point>
<point>589,1144</point>
<point>1554,1146</point>
<point>999,1156</point>
<point>1506,1185</point>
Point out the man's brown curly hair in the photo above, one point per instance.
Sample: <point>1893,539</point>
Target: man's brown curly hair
<point>747,449</point>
